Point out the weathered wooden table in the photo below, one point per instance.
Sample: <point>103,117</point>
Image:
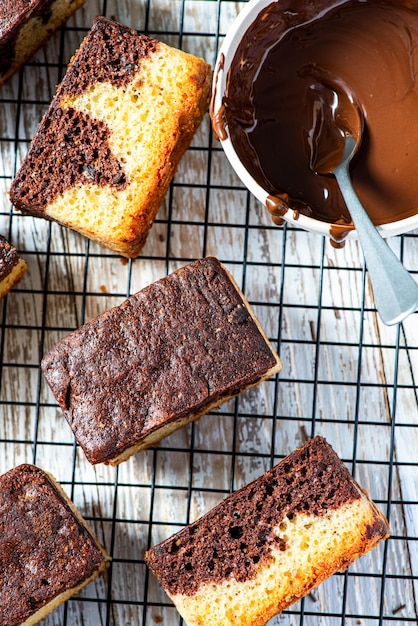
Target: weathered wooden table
<point>345,375</point>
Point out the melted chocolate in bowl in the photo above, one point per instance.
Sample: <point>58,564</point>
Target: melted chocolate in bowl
<point>369,49</point>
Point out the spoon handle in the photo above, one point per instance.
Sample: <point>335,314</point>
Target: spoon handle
<point>395,290</point>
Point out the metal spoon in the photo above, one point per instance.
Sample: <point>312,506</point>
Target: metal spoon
<point>395,290</point>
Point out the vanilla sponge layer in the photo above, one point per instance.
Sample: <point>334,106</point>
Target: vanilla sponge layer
<point>316,547</point>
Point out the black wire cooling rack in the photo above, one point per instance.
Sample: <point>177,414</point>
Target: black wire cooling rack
<point>345,375</point>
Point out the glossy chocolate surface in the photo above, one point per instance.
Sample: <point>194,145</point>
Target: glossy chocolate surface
<point>369,49</point>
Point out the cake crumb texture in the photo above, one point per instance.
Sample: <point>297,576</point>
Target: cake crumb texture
<point>25,25</point>
<point>47,552</point>
<point>270,543</point>
<point>165,356</point>
<point>106,150</point>
<point>12,266</point>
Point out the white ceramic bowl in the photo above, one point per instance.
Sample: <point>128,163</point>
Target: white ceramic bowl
<point>224,60</point>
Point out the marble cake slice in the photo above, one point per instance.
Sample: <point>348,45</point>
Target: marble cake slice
<point>47,551</point>
<point>170,353</point>
<point>12,266</point>
<point>25,25</point>
<point>270,543</point>
<point>105,152</point>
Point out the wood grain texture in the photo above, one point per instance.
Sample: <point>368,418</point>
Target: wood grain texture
<point>345,375</point>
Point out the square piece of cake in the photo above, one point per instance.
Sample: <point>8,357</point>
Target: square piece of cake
<point>270,543</point>
<point>47,551</point>
<point>25,25</point>
<point>105,152</point>
<point>170,353</point>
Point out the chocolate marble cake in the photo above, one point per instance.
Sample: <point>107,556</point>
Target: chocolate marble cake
<point>106,150</point>
<point>167,355</point>
<point>25,25</point>
<point>12,266</point>
<point>47,552</point>
<point>270,543</point>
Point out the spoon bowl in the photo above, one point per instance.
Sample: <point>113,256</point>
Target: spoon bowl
<point>395,291</point>
<point>335,115</point>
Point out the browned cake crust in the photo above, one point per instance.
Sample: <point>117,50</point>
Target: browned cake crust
<point>250,531</point>
<point>25,25</point>
<point>106,150</point>
<point>12,267</point>
<point>47,552</point>
<point>168,354</point>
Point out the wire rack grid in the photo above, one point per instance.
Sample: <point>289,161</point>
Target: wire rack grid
<point>345,375</point>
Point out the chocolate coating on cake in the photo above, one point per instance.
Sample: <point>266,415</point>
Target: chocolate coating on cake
<point>166,353</point>
<point>237,535</point>
<point>44,550</point>
<point>79,146</point>
<point>113,54</point>
<point>9,257</point>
